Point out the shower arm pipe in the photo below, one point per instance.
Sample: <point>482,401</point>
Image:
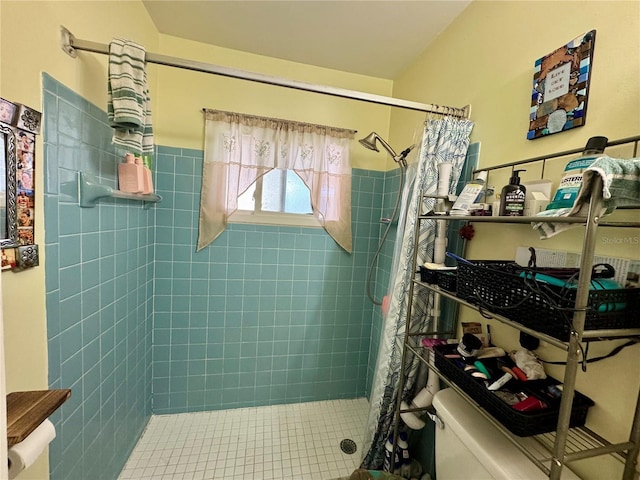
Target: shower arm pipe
<point>70,45</point>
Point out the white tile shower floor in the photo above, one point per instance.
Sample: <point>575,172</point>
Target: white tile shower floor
<point>281,442</point>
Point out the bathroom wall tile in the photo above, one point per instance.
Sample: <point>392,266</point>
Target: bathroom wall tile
<point>69,281</point>
<point>91,134</point>
<point>81,297</point>
<point>90,271</point>
<point>90,221</point>
<point>70,369</point>
<point>167,151</point>
<point>69,121</point>
<point>238,298</point>
<point>54,359</point>
<point>51,172</point>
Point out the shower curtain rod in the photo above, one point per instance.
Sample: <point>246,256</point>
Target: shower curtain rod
<point>70,45</point>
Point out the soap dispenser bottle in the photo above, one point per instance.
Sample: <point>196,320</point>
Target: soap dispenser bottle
<point>512,197</point>
<point>130,177</point>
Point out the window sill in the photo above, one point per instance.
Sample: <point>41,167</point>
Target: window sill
<point>281,219</point>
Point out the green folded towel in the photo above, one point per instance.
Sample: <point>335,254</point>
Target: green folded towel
<point>620,182</point>
<point>128,103</point>
<point>620,187</point>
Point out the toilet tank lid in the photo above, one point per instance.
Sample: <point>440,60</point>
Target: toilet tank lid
<point>492,448</point>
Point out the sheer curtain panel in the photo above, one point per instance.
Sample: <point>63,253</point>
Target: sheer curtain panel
<point>240,148</point>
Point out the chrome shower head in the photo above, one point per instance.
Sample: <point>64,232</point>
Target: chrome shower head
<point>370,142</point>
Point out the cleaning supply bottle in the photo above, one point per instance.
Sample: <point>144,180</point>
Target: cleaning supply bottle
<point>130,176</point>
<point>391,460</point>
<point>571,181</point>
<point>405,459</point>
<point>512,196</point>
<point>470,194</point>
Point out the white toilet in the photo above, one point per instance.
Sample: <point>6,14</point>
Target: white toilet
<point>469,447</point>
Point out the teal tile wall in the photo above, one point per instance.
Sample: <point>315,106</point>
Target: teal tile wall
<point>99,290</point>
<point>263,315</point>
<point>135,316</point>
<point>382,267</point>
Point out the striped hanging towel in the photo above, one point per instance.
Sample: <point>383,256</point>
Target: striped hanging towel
<point>128,104</point>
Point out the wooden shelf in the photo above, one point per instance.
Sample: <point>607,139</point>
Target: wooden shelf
<point>27,410</point>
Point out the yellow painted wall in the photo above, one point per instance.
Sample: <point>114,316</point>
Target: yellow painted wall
<point>30,45</point>
<point>485,58</point>
<point>182,94</point>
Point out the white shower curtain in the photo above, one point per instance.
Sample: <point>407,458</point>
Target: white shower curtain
<point>445,140</point>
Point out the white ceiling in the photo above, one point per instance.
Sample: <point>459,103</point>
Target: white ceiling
<point>375,38</point>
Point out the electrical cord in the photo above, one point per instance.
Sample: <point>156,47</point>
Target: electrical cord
<point>585,351</point>
<point>553,298</point>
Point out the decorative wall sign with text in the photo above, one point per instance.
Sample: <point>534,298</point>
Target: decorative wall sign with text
<point>561,87</point>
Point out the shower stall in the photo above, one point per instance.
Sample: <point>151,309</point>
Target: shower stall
<point>140,325</point>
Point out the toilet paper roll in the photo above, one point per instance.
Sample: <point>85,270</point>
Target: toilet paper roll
<point>22,455</point>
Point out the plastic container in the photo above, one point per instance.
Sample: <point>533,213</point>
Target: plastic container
<point>498,286</point>
<point>403,453</point>
<point>471,193</point>
<point>447,280</point>
<point>513,196</point>
<point>146,176</point>
<point>571,181</point>
<point>521,423</point>
<point>389,464</point>
<point>130,175</point>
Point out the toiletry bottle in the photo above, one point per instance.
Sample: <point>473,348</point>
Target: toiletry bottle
<point>495,206</point>
<point>130,177</point>
<point>470,194</point>
<point>391,461</point>
<point>146,176</point>
<point>513,196</point>
<point>571,181</point>
<point>140,169</point>
<point>147,162</point>
<point>405,459</point>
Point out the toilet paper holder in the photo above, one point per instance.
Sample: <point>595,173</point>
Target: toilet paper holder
<point>29,431</point>
<point>27,410</point>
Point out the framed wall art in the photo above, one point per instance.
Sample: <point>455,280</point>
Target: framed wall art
<point>561,87</point>
<point>19,126</point>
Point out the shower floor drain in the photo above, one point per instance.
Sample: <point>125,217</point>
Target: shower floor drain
<point>348,446</point>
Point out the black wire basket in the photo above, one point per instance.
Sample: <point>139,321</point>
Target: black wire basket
<point>497,286</point>
<point>523,424</point>
<point>447,280</point>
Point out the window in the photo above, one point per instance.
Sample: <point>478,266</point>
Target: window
<point>280,197</point>
<point>258,168</point>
